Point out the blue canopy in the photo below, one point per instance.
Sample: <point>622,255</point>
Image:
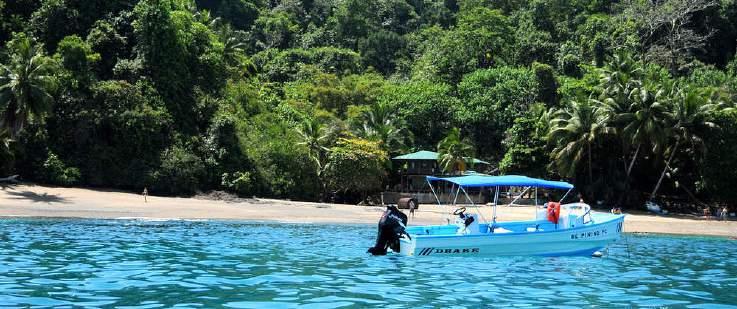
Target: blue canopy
<point>506,180</point>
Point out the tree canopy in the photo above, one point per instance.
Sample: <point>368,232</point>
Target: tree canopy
<point>630,100</point>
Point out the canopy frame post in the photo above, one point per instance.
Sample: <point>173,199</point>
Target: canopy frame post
<point>496,201</point>
<point>473,204</point>
<point>455,200</point>
<point>536,204</point>
<point>564,195</point>
<point>450,193</point>
<point>433,191</point>
<point>519,196</point>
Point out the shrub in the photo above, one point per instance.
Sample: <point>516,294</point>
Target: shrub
<point>239,182</point>
<point>356,165</point>
<point>57,173</point>
<point>180,172</point>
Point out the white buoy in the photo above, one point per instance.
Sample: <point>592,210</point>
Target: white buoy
<point>597,254</point>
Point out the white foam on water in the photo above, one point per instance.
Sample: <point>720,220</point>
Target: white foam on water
<point>150,219</point>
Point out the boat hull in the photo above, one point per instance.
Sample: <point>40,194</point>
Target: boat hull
<point>583,240</point>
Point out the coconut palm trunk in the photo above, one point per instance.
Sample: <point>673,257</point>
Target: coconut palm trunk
<point>665,169</point>
<point>591,173</point>
<point>632,162</point>
<point>628,171</point>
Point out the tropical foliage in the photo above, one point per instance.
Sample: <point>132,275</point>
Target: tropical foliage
<point>575,131</point>
<point>630,100</point>
<point>25,84</point>
<point>455,154</point>
<point>356,165</point>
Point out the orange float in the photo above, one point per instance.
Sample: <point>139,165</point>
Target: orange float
<point>553,212</point>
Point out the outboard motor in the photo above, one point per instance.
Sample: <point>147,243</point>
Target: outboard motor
<point>391,229</point>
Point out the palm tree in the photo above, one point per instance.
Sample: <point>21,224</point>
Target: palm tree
<point>5,154</point>
<point>642,121</point>
<point>380,124</point>
<point>690,114</point>
<point>26,84</point>
<point>621,74</point>
<point>234,44</point>
<point>632,108</point>
<point>455,153</point>
<point>4,142</point>
<point>316,137</point>
<point>575,130</point>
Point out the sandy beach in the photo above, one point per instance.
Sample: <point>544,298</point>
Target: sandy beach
<point>41,201</point>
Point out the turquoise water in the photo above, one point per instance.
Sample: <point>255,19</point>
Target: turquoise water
<point>97,263</point>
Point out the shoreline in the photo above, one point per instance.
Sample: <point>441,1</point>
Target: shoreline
<point>35,201</point>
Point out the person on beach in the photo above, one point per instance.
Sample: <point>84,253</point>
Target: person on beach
<point>145,195</point>
<point>412,209</point>
<point>725,213</point>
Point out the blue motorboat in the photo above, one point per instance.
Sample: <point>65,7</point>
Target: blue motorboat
<point>558,229</point>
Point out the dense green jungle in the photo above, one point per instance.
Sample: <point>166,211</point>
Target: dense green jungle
<point>629,100</point>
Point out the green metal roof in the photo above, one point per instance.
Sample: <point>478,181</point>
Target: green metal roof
<point>420,155</point>
<point>428,155</point>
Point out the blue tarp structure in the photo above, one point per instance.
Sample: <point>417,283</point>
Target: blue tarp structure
<point>503,181</point>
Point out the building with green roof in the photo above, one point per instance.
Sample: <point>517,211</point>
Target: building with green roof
<point>410,171</point>
<point>413,167</point>
<point>429,155</point>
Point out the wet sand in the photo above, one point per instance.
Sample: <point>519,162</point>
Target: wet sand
<point>42,201</point>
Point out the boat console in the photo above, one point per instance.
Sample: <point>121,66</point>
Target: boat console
<point>468,224</point>
<point>574,214</point>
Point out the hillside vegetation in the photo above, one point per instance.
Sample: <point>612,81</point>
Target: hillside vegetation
<point>309,99</point>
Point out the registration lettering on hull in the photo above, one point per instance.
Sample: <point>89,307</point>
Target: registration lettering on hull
<point>584,235</point>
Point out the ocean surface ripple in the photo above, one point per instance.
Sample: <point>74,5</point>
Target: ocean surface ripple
<point>149,264</point>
